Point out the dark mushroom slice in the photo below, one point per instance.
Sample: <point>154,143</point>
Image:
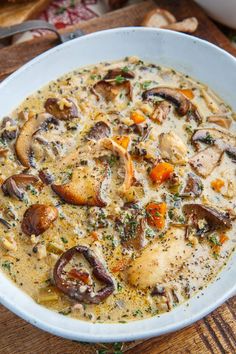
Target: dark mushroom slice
<point>38,218</point>
<point>109,90</point>
<point>9,129</point>
<point>178,99</point>
<point>86,186</point>
<point>14,185</point>
<point>132,230</point>
<point>23,144</point>
<point>5,223</point>
<point>113,73</point>
<point>193,186</point>
<point>216,219</point>
<point>52,106</point>
<point>183,105</point>
<point>46,177</point>
<point>99,131</point>
<point>79,290</point>
<point>205,161</point>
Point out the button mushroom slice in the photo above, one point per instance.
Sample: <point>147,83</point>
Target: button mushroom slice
<point>205,161</point>
<point>46,177</point>
<point>158,18</point>
<point>183,105</point>
<point>8,129</point>
<point>215,218</point>
<point>63,109</point>
<point>212,136</point>
<point>178,99</point>
<point>99,131</point>
<point>113,73</point>
<point>172,148</point>
<point>193,186</point>
<point>13,186</point>
<point>160,112</point>
<point>23,144</point>
<point>222,121</point>
<point>128,163</point>
<point>77,289</point>
<point>160,261</point>
<point>38,218</point>
<point>86,186</point>
<point>109,90</point>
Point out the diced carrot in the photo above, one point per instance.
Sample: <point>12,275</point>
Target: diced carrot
<point>187,93</point>
<point>156,213</point>
<point>94,235</point>
<point>80,275</point>
<point>217,184</point>
<point>161,172</point>
<point>120,265</point>
<point>216,249</point>
<point>122,141</point>
<point>223,238</point>
<point>137,117</point>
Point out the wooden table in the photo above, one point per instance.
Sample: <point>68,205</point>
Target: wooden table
<point>215,333</point>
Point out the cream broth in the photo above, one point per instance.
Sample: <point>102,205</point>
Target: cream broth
<point>135,164</point>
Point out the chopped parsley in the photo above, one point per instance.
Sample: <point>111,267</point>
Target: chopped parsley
<point>119,79</point>
<point>7,265</point>
<point>64,240</point>
<point>146,84</point>
<point>213,239</point>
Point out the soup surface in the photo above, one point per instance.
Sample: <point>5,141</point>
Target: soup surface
<point>118,191</point>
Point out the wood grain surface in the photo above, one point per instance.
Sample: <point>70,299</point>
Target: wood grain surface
<point>216,333</point>
<point>14,13</point>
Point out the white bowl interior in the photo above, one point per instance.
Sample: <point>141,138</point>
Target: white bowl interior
<point>189,55</point>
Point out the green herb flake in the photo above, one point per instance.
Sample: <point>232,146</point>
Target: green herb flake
<point>146,84</point>
<point>7,265</point>
<point>119,79</point>
<point>64,240</point>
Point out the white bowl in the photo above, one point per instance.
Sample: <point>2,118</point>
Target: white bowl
<point>192,56</point>
<point>223,11</point>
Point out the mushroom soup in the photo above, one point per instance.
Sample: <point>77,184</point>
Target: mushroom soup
<point>118,191</point>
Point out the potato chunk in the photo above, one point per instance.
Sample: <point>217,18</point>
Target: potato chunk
<point>160,261</point>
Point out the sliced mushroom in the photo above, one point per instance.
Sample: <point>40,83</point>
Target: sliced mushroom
<point>99,131</point>
<point>8,129</point>
<point>193,186</point>
<point>5,223</point>
<point>86,186</point>
<point>215,218</point>
<point>160,261</point>
<point>77,289</point>
<point>125,156</point>
<point>172,148</point>
<point>23,144</point>
<point>109,90</point>
<point>222,121</point>
<point>46,177</point>
<point>205,161</point>
<point>183,105</point>
<point>224,140</point>
<point>158,18</point>
<point>113,73</point>
<point>38,218</point>
<point>63,109</point>
<point>160,112</point>
<point>132,227</point>
<point>188,25</point>
<point>13,185</point>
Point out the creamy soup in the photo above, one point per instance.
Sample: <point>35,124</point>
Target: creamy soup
<point>118,191</point>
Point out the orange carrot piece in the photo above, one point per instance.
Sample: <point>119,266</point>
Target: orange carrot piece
<point>122,141</point>
<point>94,235</point>
<point>161,172</point>
<point>223,238</point>
<point>156,213</point>
<point>217,184</point>
<point>187,93</point>
<point>80,275</point>
<point>120,265</point>
<point>137,117</point>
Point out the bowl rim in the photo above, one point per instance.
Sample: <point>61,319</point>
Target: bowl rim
<point>126,335</point>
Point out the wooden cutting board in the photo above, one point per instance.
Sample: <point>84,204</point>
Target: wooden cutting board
<point>14,13</point>
<point>216,333</point>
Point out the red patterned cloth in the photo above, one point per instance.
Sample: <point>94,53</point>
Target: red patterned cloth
<point>64,13</point>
